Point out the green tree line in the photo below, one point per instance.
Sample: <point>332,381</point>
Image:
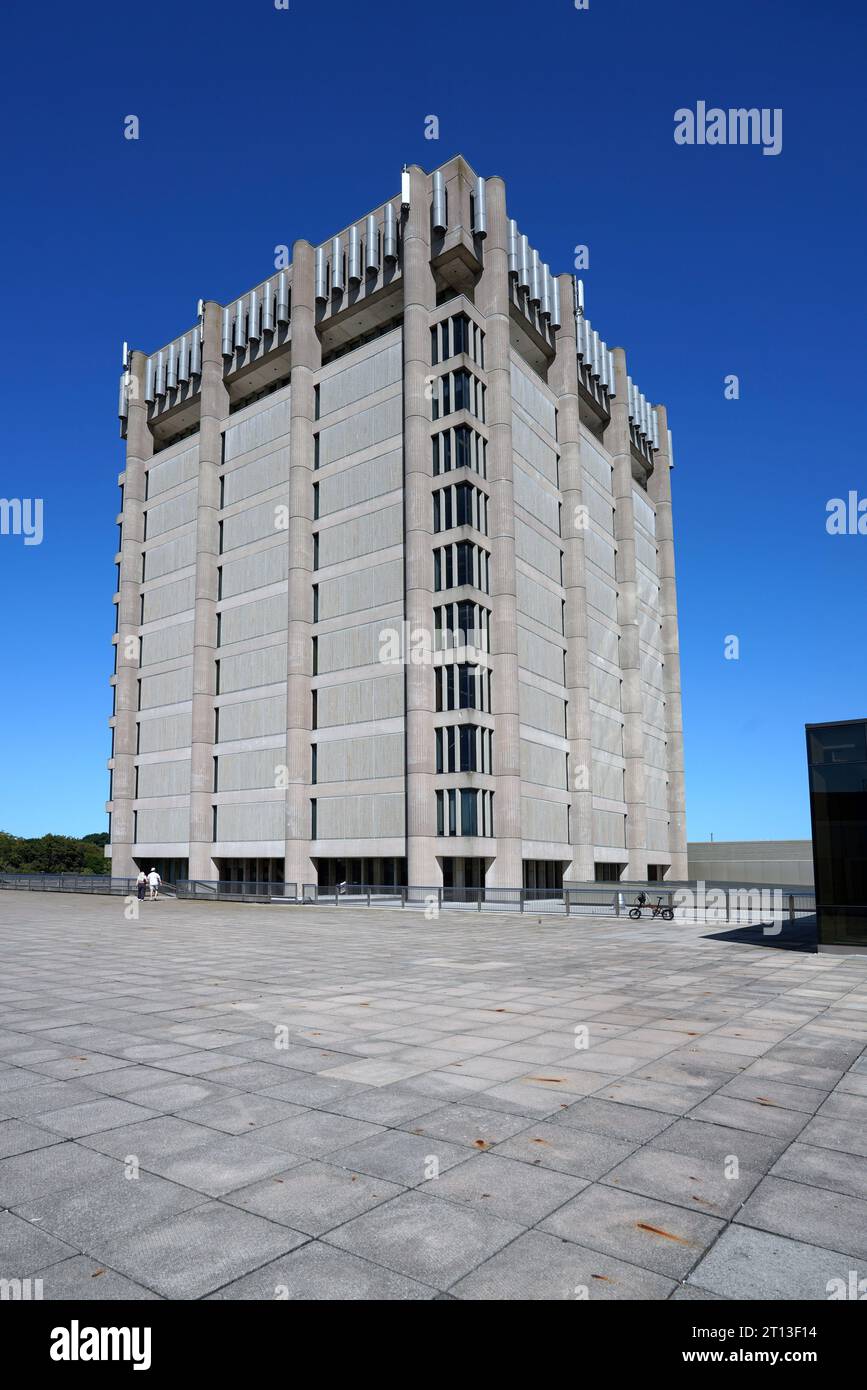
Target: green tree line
<point>54,854</point>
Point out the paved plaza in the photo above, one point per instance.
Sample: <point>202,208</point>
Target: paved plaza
<point>231,1102</point>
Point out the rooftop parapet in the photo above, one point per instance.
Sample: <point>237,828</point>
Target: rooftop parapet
<point>360,262</point>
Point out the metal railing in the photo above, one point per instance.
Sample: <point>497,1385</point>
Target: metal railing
<point>711,904</point>
<point>230,890</point>
<point>73,883</point>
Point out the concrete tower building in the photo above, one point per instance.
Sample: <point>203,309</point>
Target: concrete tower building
<point>396,597</point>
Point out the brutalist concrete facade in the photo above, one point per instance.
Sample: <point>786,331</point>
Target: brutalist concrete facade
<point>396,595</point>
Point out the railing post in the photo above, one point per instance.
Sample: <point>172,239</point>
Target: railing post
<point>617,904</point>
<point>403,897</point>
<point>479,891</point>
<point>521,898</point>
<point>566,900</point>
<point>368,897</point>
<point>728,906</point>
<point>791,907</point>
<point>439,900</point>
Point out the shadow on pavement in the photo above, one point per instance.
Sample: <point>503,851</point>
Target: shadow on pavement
<point>801,935</point>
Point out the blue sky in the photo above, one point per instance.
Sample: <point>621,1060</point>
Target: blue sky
<point>260,125</point>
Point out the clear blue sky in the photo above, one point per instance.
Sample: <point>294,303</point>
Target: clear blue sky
<point>260,125</point>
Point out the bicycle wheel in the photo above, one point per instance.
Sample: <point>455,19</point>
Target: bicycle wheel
<point>668,914</point>
<point>635,913</point>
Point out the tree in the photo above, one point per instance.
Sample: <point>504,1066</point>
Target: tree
<point>51,854</point>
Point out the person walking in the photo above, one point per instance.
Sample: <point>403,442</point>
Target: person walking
<point>141,884</point>
<point>154,880</point>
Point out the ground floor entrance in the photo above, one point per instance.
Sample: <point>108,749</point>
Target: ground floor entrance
<point>169,870</point>
<point>248,875</point>
<point>463,878</point>
<point>366,872</point>
<point>543,874</point>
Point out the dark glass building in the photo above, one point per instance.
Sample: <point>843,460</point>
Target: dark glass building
<point>837,764</point>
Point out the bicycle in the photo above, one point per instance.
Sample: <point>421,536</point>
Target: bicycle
<point>656,909</point>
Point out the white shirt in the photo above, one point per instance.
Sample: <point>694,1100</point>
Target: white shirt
<point>154,880</point>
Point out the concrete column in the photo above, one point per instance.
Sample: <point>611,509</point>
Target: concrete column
<point>139,449</point>
<point>492,300</point>
<point>659,490</point>
<point>620,446</point>
<point>214,412</point>
<point>306,360</point>
<point>563,380</point>
<point>419,299</point>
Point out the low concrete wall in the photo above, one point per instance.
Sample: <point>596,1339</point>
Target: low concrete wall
<point>752,861</point>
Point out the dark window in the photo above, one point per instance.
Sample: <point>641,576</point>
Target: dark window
<point>466,687</point>
<point>468,748</point>
<point>469,813</point>
<point>838,743</point>
<point>463,390</point>
<point>463,447</point>
<point>313,819</point>
<point>609,873</point>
